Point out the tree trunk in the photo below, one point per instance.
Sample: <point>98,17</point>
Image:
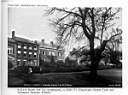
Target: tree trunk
<point>93,68</point>
<point>94,62</point>
<point>94,65</point>
<point>95,57</point>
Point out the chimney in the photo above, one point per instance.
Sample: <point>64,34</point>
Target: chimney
<point>42,41</point>
<point>51,43</point>
<point>13,34</point>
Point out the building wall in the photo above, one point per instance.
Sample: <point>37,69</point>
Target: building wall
<point>12,53</point>
<point>27,54</point>
<point>12,49</point>
<point>23,53</point>
<point>47,53</point>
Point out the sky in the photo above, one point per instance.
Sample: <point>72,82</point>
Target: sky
<point>34,24</point>
<point>30,23</point>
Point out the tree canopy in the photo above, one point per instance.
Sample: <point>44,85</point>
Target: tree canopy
<point>92,23</point>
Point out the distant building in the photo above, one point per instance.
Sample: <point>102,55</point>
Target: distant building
<point>23,52</point>
<point>51,52</point>
<point>72,58</point>
<point>78,57</point>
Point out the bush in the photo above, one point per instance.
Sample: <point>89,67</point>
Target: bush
<point>23,69</point>
<point>10,65</point>
<point>49,67</point>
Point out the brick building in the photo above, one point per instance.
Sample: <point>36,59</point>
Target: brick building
<point>23,52</point>
<point>50,52</point>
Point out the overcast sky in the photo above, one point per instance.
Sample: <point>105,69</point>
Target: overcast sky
<point>30,23</point>
<point>33,23</point>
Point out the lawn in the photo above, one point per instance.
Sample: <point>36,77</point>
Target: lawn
<point>66,79</point>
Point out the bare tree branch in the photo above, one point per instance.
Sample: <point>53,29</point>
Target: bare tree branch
<point>66,11</point>
<point>93,23</point>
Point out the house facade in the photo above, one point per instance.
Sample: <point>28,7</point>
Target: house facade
<point>24,52</point>
<point>50,52</point>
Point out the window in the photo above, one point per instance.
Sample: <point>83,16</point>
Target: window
<point>35,63</point>
<point>25,53</point>
<point>43,52</point>
<point>10,50</point>
<point>30,63</point>
<point>25,62</point>
<point>52,53</point>
<point>35,47</point>
<point>30,48</point>
<point>19,52</point>
<point>35,54</point>
<point>25,47</point>
<point>19,62</point>
<point>19,45</point>
<point>59,54</point>
<point>30,54</point>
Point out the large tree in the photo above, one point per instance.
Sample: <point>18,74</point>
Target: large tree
<point>92,23</point>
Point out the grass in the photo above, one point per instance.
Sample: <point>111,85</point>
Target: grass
<point>74,75</point>
<point>75,79</point>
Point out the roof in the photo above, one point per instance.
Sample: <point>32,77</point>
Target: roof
<point>49,46</point>
<point>21,40</point>
<point>45,45</point>
<point>11,40</point>
<point>24,40</point>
